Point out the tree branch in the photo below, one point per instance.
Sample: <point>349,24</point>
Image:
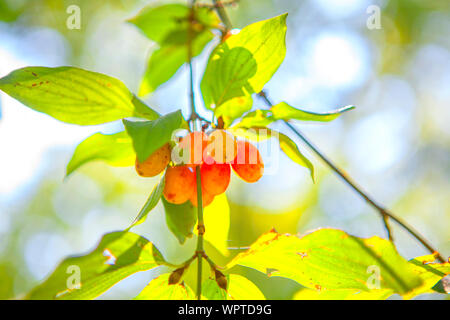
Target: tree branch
<point>385,214</point>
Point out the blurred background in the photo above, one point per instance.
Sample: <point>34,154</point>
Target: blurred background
<point>396,143</point>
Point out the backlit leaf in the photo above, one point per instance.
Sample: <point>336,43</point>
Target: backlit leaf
<point>329,259</point>
<point>167,60</point>
<point>283,111</point>
<point>150,204</point>
<point>115,149</point>
<point>73,95</point>
<point>430,273</point>
<point>343,294</point>
<point>217,217</point>
<point>118,255</point>
<point>168,25</point>
<point>149,136</point>
<point>245,62</point>
<point>160,289</point>
<point>181,219</point>
<point>291,150</point>
<point>239,288</point>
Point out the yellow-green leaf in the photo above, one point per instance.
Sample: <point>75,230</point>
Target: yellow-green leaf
<point>115,149</point>
<point>73,95</point>
<point>331,259</point>
<point>291,150</point>
<point>283,111</point>
<point>118,255</point>
<point>245,62</point>
<point>160,289</point>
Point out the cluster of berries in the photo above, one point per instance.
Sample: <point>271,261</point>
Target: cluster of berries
<point>215,154</point>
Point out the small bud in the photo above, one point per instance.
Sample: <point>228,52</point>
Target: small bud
<point>221,279</point>
<point>176,275</point>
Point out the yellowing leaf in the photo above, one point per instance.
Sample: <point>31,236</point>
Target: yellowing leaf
<point>160,289</point>
<point>331,259</point>
<point>217,219</point>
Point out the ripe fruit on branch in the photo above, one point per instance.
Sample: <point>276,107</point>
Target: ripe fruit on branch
<point>179,185</point>
<point>193,148</point>
<point>155,163</point>
<point>207,198</point>
<point>215,177</point>
<point>248,163</point>
<point>222,146</point>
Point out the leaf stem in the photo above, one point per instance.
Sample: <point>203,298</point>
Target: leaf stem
<point>385,214</point>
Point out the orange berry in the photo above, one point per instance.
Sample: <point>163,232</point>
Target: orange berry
<point>248,164</point>
<point>222,146</point>
<point>155,163</point>
<point>193,146</point>
<point>215,177</point>
<point>179,184</point>
<point>207,198</point>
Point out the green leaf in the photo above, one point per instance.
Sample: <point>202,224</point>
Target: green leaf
<point>73,95</point>
<point>239,288</point>
<point>181,219</point>
<point>212,291</point>
<point>168,59</point>
<point>233,109</point>
<point>150,204</point>
<point>283,111</point>
<point>149,136</point>
<point>115,149</point>
<point>255,119</point>
<point>159,22</point>
<point>343,294</point>
<point>168,26</point>
<point>253,134</point>
<point>144,110</point>
<point>245,62</point>
<point>430,273</point>
<point>291,150</point>
<point>331,259</point>
<point>160,289</point>
<point>217,217</point>
<point>118,255</point>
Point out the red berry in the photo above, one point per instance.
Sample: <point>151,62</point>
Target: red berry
<point>179,184</point>
<point>248,163</point>
<point>215,177</point>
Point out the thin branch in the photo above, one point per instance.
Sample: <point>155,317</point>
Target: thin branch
<point>194,116</point>
<point>201,231</point>
<point>385,214</point>
<point>222,14</point>
<point>217,4</point>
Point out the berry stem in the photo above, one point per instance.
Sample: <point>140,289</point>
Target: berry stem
<point>201,230</point>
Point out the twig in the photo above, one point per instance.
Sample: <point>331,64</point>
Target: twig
<point>222,14</point>
<point>200,231</point>
<point>194,116</point>
<point>218,4</point>
<point>385,214</point>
